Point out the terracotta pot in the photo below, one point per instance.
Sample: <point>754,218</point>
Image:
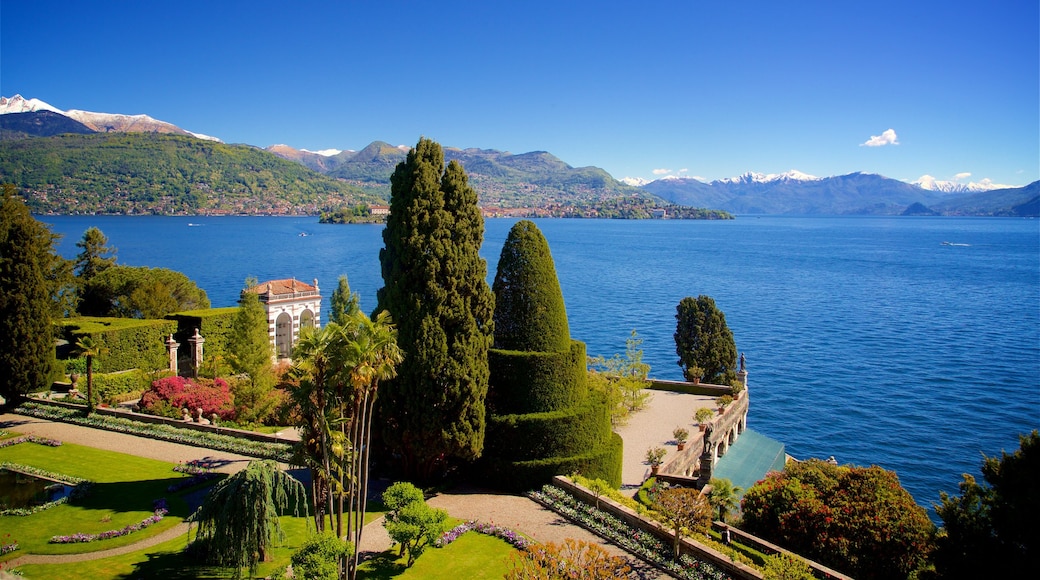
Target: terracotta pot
<point>653,469</point>
<point>681,446</point>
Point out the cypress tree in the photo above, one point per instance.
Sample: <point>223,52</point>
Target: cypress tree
<point>28,289</point>
<point>344,303</point>
<point>249,347</point>
<point>435,287</point>
<point>704,341</point>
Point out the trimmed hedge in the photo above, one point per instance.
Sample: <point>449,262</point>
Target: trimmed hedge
<point>603,463</point>
<point>535,382</point>
<point>131,343</point>
<point>562,433</point>
<point>109,386</point>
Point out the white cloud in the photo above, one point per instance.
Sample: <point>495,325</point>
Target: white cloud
<point>662,171</point>
<point>887,138</point>
<point>961,176</point>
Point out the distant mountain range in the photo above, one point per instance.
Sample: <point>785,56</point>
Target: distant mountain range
<point>539,179</point>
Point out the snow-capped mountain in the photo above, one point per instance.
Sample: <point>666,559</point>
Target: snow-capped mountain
<point>100,122</point>
<point>19,104</point>
<point>955,186</point>
<point>752,177</point>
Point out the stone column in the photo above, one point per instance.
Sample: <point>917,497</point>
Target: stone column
<point>196,353</point>
<point>171,352</point>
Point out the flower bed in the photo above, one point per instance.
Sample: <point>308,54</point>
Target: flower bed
<point>515,539</point>
<point>220,442</point>
<point>30,439</point>
<point>644,545</point>
<point>199,470</point>
<point>160,512</point>
<point>7,548</point>
<point>82,486</point>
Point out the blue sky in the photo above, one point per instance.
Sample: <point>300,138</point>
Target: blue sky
<point>641,89</point>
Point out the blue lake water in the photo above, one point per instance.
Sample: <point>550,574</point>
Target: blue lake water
<point>866,338</point>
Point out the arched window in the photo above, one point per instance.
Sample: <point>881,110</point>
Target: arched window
<point>283,335</point>
<point>306,319</point>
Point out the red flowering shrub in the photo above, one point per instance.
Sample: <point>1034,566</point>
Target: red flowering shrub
<point>212,396</point>
<point>858,520</point>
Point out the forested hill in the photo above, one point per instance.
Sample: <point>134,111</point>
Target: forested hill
<point>535,179</point>
<point>140,173</point>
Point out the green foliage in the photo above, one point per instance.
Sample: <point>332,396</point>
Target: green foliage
<point>530,314</point>
<point>435,287</point>
<point>319,556</point>
<point>249,352</point>
<point>95,255</point>
<point>568,431</point>
<point>635,207</point>
<point>997,518</point>
<point>702,339</point>
<point>351,214</point>
<point>238,520</point>
<point>28,293</point>
<point>724,496</point>
<point>624,379</point>
<point>140,292</point>
<point>118,173</point>
<point>344,303</point>
<point>214,324</point>
<point>131,343</point>
<point>399,495</point>
<point>602,462</point>
<point>858,520</point>
<point>411,522</point>
<point>90,349</point>
<point>536,382</point>
<point>786,567</point>
<point>703,415</point>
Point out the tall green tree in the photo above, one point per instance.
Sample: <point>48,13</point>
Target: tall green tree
<point>249,347</point>
<point>238,520</point>
<point>91,349</point>
<point>344,303</point>
<point>29,288</point>
<point>997,518</point>
<point>704,341</point>
<point>95,255</point>
<point>435,287</point>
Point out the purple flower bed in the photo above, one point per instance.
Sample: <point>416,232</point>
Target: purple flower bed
<point>515,539</point>
<point>160,512</point>
<point>30,439</point>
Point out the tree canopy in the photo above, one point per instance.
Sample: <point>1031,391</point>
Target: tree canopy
<point>29,286</point>
<point>997,518</point>
<point>249,347</point>
<point>858,520</point>
<point>95,256</point>
<point>435,287</point>
<point>704,342</point>
<point>140,292</point>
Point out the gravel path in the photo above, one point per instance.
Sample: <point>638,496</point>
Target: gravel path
<point>650,427</point>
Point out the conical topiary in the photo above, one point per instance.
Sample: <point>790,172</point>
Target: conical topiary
<point>529,311</point>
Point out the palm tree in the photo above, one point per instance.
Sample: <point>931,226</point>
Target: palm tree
<point>724,496</point>
<point>339,368</point>
<point>373,356</point>
<point>90,348</point>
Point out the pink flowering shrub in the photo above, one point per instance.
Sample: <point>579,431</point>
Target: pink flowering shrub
<point>175,393</point>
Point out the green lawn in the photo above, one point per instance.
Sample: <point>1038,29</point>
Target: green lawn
<point>124,489</point>
<point>123,492</point>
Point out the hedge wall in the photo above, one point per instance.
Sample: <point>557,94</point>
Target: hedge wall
<point>562,433</point>
<point>535,382</point>
<point>131,343</point>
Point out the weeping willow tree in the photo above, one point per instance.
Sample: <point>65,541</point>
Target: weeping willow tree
<point>238,520</point>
